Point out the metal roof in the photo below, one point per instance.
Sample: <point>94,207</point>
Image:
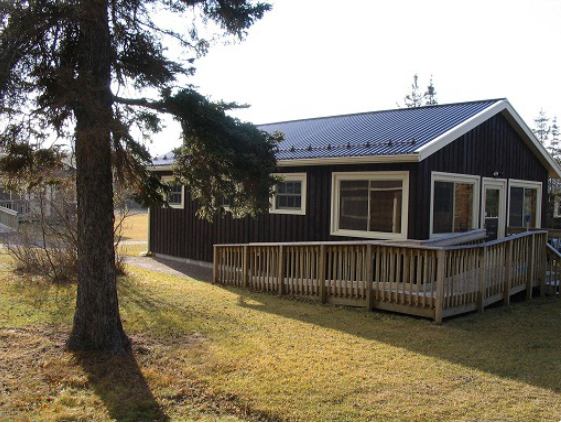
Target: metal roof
<point>387,132</point>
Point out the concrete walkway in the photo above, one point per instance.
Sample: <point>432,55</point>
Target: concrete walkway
<point>170,267</point>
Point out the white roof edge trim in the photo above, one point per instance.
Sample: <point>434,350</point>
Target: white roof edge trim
<point>388,158</point>
<point>453,134</point>
<point>554,168</point>
<point>456,132</point>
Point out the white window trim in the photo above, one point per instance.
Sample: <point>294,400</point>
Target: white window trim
<point>169,178</point>
<point>337,177</point>
<point>291,177</point>
<point>519,183</point>
<point>503,209</point>
<point>461,178</point>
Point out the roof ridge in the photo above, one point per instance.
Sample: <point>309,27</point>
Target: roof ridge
<point>494,100</point>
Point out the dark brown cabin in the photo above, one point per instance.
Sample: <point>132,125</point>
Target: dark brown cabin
<point>415,173</point>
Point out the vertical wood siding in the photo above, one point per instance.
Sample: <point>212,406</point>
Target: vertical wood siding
<point>492,146</point>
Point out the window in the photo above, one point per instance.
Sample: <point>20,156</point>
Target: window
<point>290,194</point>
<point>175,196</point>
<point>524,204</point>
<point>557,206</point>
<point>454,203</point>
<point>371,205</point>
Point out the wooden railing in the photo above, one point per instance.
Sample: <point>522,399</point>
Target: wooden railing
<point>553,271</point>
<point>9,218</point>
<point>22,207</point>
<point>422,280</point>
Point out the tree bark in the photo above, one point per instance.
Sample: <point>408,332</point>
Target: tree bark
<point>97,324</point>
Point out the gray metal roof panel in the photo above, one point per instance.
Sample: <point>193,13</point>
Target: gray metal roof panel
<point>387,132</point>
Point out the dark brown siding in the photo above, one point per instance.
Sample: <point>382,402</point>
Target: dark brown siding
<point>178,232</point>
<point>494,146</point>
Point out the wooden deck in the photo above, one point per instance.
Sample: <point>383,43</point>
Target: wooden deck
<point>409,277</point>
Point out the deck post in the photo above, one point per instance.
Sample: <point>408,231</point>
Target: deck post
<point>440,276</point>
<point>368,279</point>
<point>530,275</point>
<point>245,266</point>
<point>508,273</point>
<point>321,275</point>
<point>542,265</point>
<point>482,283</point>
<point>215,265</point>
<point>280,275</point>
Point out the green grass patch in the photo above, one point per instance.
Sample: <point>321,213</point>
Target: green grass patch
<point>204,352</point>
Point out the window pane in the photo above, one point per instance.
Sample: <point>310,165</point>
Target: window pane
<point>491,202</point>
<point>385,206</point>
<point>530,206</point>
<point>353,206</point>
<point>174,196</point>
<point>516,205</point>
<point>443,207</point>
<point>281,201</point>
<point>281,188</point>
<point>463,202</point>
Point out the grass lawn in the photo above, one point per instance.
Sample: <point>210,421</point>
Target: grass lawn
<point>204,352</point>
<point>135,227</point>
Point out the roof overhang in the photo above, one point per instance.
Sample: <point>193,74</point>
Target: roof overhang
<point>324,161</point>
<point>504,107</point>
<point>501,106</point>
<point>390,158</point>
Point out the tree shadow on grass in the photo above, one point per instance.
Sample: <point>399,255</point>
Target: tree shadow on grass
<point>521,342</point>
<point>119,383</point>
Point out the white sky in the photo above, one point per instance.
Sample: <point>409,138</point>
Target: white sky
<point>310,58</point>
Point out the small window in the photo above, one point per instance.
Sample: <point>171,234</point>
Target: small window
<point>370,205</point>
<point>524,204</point>
<point>290,194</point>
<point>557,207</point>
<point>454,203</point>
<point>175,195</point>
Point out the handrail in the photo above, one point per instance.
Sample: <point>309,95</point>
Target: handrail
<point>553,251</point>
<point>320,243</point>
<point>9,217</point>
<point>8,211</point>
<point>473,235</point>
<point>450,240</point>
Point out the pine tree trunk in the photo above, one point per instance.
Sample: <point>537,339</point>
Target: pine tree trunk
<point>97,324</point>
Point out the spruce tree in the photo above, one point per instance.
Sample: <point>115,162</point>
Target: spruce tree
<point>414,98</point>
<point>430,95</point>
<point>542,128</point>
<point>65,67</point>
<point>555,141</point>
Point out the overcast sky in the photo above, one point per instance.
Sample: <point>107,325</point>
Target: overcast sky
<point>311,58</point>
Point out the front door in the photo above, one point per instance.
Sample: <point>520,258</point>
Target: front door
<point>493,210</point>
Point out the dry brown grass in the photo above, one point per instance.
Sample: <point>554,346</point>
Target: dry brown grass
<point>203,352</point>
<point>135,227</point>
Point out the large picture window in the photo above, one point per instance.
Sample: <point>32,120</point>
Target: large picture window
<point>370,205</point>
<point>524,204</point>
<point>454,203</point>
<point>290,194</point>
